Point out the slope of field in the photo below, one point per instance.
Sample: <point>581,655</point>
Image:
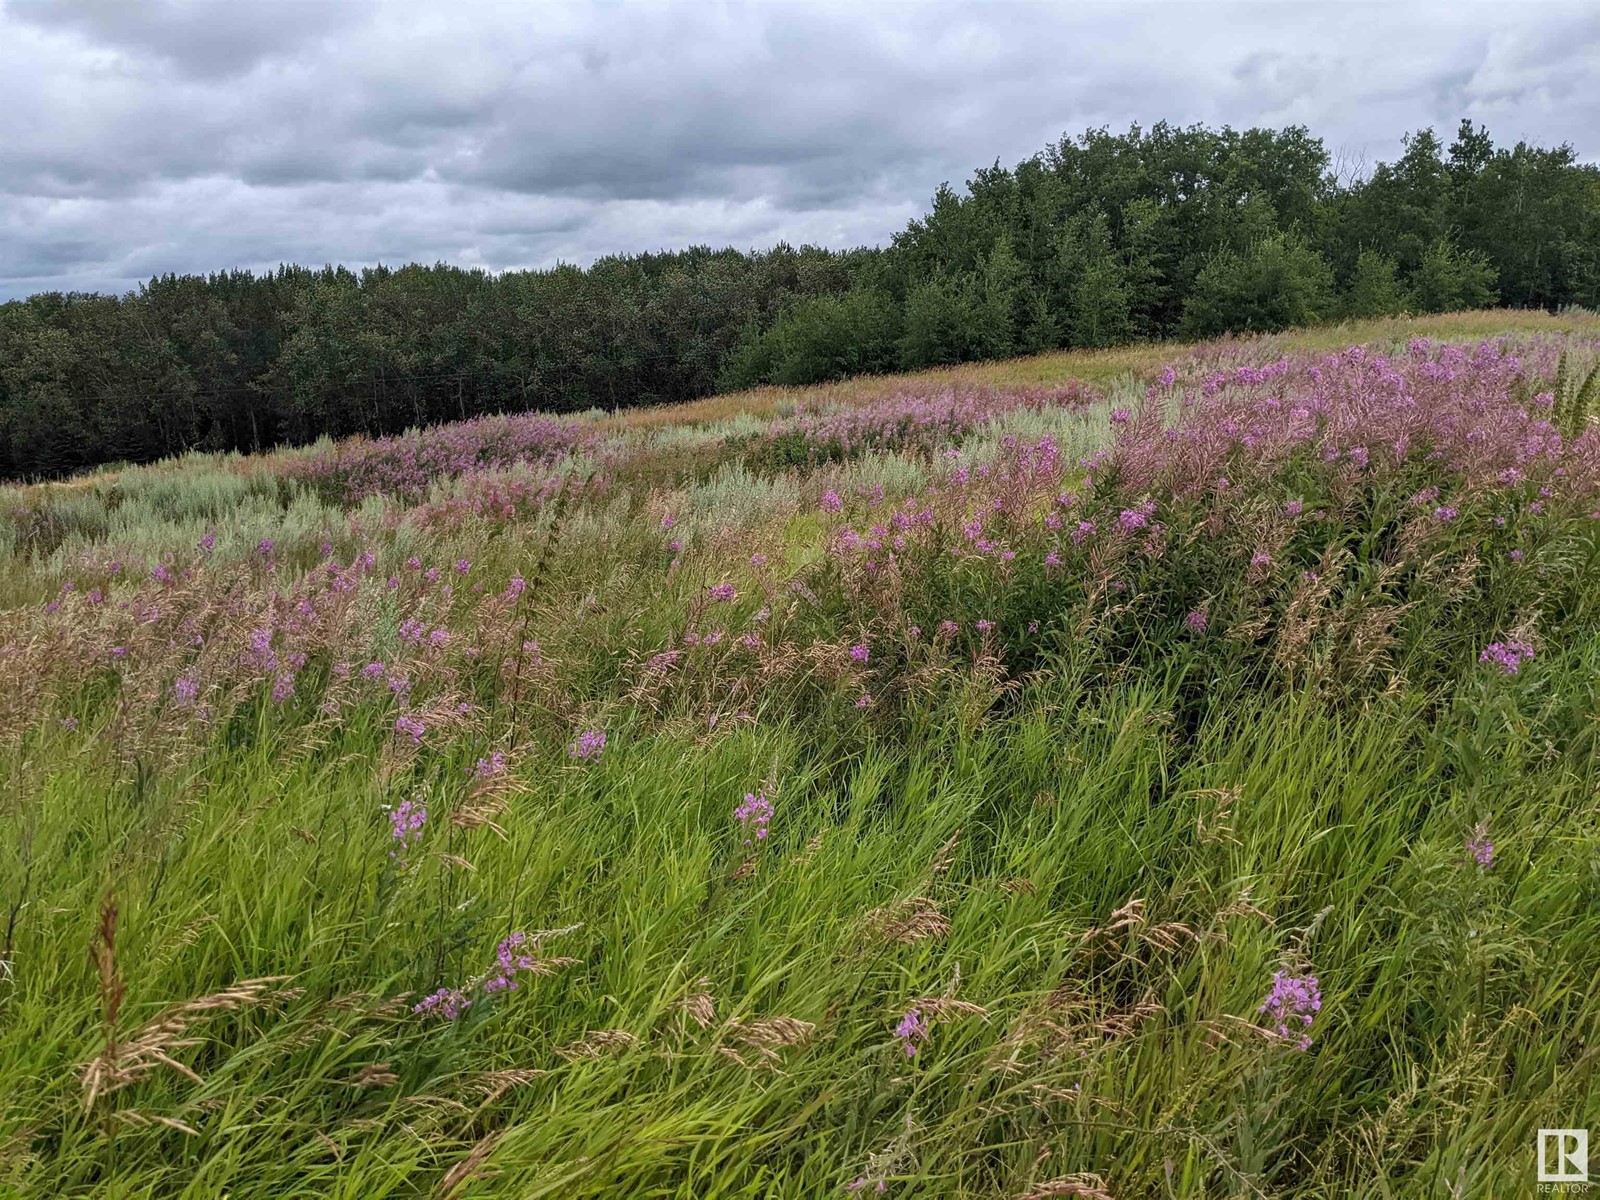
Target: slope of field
<point>1157,772</point>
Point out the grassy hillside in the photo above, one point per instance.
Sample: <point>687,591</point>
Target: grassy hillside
<point>1161,772</point>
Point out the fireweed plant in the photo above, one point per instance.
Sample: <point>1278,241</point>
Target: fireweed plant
<point>1174,780</point>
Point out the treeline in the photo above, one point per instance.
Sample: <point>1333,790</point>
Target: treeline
<point>1193,232</point>
<point>1100,239</point>
<point>244,361</point>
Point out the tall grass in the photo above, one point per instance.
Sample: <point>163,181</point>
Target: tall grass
<point>1457,1001</point>
<point>1027,880</point>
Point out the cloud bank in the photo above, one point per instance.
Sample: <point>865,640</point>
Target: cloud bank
<point>177,135</point>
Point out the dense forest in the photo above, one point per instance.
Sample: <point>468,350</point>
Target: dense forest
<point>1099,239</point>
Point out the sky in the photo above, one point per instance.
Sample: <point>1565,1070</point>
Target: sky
<point>146,136</point>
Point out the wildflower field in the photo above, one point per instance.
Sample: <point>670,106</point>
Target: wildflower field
<point>1167,772</point>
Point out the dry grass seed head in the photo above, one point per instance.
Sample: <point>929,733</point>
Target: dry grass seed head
<point>491,1085</point>
<point>763,1040</point>
<point>946,855</point>
<point>1083,1187</point>
<point>946,1008</point>
<point>913,919</point>
<point>481,814</point>
<point>127,1061</point>
<point>373,1075</point>
<point>468,1168</point>
<point>141,1120</point>
<point>1215,828</point>
<point>597,1043</point>
<point>808,852</point>
<point>698,1005</point>
<point>1131,920</point>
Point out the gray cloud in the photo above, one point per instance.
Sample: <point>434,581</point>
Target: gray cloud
<point>192,36</point>
<point>184,136</point>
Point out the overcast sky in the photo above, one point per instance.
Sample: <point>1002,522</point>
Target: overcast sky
<point>142,136</point>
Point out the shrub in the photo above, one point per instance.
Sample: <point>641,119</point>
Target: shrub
<point>1278,283</point>
<point>1450,279</point>
<point>1374,287</point>
<point>815,340</point>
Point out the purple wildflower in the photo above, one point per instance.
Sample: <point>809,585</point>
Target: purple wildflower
<point>1196,621</point>
<point>503,975</point>
<point>186,690</point>
<point>450,1003</point>
<point>860,652</point>
<point>1508,656</point>
<point>406,822</point>
<point>754,816</point>
<point>911,1031</point>
<point>511,958</point>
<point>831,502</point>
<point>1480,847</point>
<point>1135,519</point>
<point>588,745</point>
<point>410,726</point>
<point>722,592</point>
<point>1291,1005</point>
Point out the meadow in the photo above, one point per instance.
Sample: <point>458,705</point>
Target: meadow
<point>1158,772</point>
